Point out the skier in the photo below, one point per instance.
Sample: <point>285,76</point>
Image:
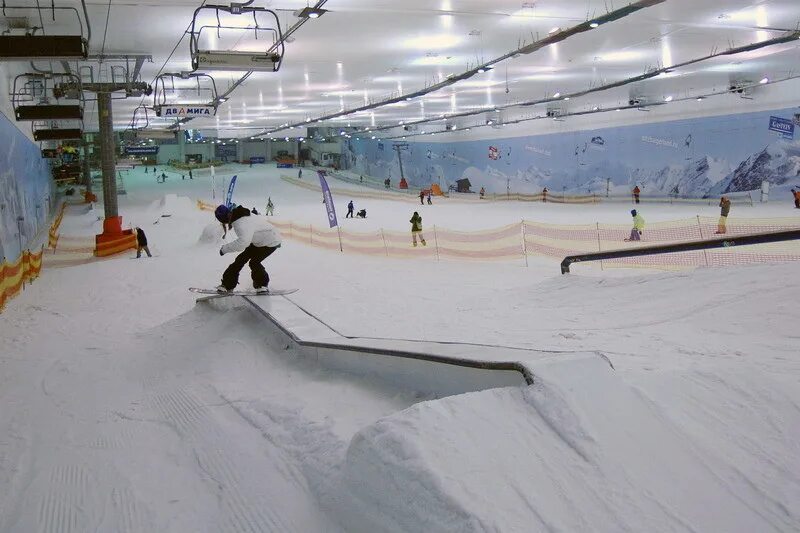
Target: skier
<point>350,208</point>
<point>300,174</point>
<point>636,192</point>
<point>191,176</point>
<point>796,193</point>
<point>256,240</point>
<point>544,194</point>
<point>429,198</point>
<point>361,179</point>
<point>270,207</point>
<point>416,229</point>
<point>141,243</point>
<point>145,170</point>
<point>725,206</point>
<point>362,214</point>
<point>638,227</point>
<point>421,197</point>
<point>483,193</point>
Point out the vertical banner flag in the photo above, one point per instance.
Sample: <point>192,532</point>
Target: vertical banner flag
<point>326,194</point>
<point>213,183</point>
<point>231,185</point>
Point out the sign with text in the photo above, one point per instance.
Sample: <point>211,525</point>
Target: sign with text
<point>258,159</point>
<point>141,150</point>
<point>783,126</point>
<point>180,111</point>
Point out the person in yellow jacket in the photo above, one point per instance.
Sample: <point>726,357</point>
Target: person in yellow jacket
<point>416,229</point>
<point>638,226</point>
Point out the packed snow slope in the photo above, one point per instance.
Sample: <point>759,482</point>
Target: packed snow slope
<point>128,408</point>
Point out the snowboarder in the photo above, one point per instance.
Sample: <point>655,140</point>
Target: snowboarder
<point>141,243</point>
<point>145,170</point>
<point>300,173</point>
<point>270,207</point>
<point>421,197</point>
<point>483,193</point>
<point>256,240</point>
<point>638,227</point>
<point>544,194</point>
<point>154,170</point>
<point>191,176</point>
<point>350,208</point>
<point>636,191</point>
<point>725,208</point>
<point>429,198</point>
<point>416,229</point>
<point>796,193</point>
<point>362,214</point>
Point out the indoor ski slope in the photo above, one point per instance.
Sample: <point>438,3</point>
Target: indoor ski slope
<point>126,407</point>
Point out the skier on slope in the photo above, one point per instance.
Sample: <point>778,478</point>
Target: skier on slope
<point>638,226</point>
<point>256,240</point>
<point>350,208</point>
<point>270,207</point>
<point>416,229</point>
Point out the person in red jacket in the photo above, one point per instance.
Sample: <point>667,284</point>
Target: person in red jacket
<point>636,192</point>
<point>796,193</point>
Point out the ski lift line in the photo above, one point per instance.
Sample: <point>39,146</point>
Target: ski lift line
<point>597,111</point>
<point>600,88</point>
<point>528,49</point>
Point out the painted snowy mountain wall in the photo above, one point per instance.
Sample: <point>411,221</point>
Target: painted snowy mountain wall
<point>689,158</point>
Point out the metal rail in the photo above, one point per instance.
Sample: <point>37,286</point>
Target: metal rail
<point>724,242</point>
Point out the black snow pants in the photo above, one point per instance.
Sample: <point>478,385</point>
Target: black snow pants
<point>254,255</point>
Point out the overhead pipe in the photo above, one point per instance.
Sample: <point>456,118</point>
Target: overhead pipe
<point>528,49</point>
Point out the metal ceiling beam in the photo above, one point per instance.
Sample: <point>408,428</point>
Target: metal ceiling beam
<point>551,39</point>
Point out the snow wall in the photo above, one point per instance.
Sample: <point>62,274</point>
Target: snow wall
<point>25,185</point>
<point>691,157</point>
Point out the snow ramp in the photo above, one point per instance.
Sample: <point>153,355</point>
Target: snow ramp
<point>580,450</point>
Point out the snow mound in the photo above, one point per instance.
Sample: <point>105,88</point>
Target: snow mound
<point>172,204</point>
<point>578,451</point>
<point>212,234</point>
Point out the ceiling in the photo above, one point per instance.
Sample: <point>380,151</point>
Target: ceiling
<point>363,51</point>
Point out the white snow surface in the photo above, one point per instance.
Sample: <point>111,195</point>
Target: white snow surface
<point>126,407</point>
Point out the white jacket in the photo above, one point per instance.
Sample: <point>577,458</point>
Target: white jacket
<point>253,230</point>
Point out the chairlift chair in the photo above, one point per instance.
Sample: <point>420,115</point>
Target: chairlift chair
<point>30,46</point>
<point>179,106</point>
<point>31,94</point>
<point>52,131</point>
<point>265,60</point>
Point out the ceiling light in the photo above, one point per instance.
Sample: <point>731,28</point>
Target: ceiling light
<point>668,98</point>
<point>286,139</point>
<point>490,122</point>
<point>309,12</point>
<point>556,95</point>
<point>308,120</point>
<point>594,24</point>
<point>596,108</point>
<point>566,98</point>
<point>554,30</point>
<point>701,98</point>
<point>484,69</point>
<point>373,136</point>
<point>764,81</point>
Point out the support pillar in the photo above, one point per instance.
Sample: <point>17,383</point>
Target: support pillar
<point>87,172</point>
<point>112,225</point>
<point>181,148</point>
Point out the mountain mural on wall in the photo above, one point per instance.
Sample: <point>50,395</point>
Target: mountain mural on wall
<point>689,158</point>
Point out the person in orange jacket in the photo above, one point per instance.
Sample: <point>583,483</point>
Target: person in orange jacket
<point>725,208</point>
<point>636,192</point>
<point>796,193</point>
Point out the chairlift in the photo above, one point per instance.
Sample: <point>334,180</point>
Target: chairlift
<point>138,132</point>
<point>31,95</point>
<point>171,100</point>
<point>268,59</point>
<point>52,131</point>
<point>30,46</point>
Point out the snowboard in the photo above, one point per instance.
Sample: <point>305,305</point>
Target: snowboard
<point>251,292</point>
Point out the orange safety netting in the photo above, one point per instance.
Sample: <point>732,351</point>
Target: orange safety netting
<point>517,242</point>
<point>14,276</point>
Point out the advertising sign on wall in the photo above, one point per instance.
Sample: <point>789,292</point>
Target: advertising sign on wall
<point>141,150</point>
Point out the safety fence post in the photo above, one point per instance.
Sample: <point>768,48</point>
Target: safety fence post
<point>385,248</point>
<point>339,232</point>
<point>599,249</point>
<point>436,242</point>
<point>311,233</point>
<point>524,243</point>
<point>700,228</point>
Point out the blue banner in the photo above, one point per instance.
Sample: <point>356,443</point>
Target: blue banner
<point>285,165</point>
<point>784,126</point>
<point>258,159</point>
<point>231,185</point>
<point>326,194</point>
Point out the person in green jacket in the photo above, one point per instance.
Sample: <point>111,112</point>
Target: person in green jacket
<point>416,229</point>
<point>638,227</point>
